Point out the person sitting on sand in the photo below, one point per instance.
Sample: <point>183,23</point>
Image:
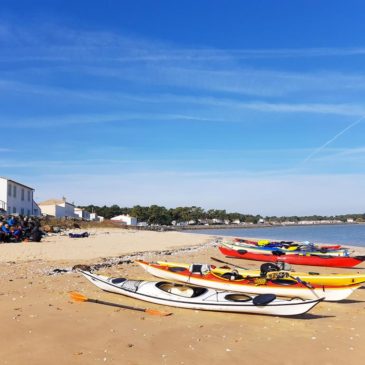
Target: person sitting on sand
<point>17,233</point>
<point>36,234</point>
<point>6,232</point>
<point>11,221</point>
<point>2,234</point>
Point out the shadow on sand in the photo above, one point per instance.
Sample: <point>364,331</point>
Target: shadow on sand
<point>350,301</point>
<point>309,316</point>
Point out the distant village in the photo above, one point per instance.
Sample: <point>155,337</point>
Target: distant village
<point>17,198</point>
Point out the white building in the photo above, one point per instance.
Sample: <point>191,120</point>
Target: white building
<point>126,219</point>
<point>58,208</point>
<point>82,214</point>
<point>142,224</point>
<point>17,198</point>
<point>95,217</point>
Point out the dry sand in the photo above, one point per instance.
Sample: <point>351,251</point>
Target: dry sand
<point>40,325</point>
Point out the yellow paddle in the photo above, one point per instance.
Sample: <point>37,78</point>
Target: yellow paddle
<point>77,297</point>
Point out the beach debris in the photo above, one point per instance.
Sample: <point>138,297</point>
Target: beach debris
<point>81,267</point>
<point>129,259</point>
<point>48,228</point>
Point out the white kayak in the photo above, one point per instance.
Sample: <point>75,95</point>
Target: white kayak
<point>192,297</point>
<point>285,288</point>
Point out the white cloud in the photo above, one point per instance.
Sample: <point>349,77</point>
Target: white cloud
<point>322,147</point>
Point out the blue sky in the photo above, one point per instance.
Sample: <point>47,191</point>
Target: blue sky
<point>246,106</point>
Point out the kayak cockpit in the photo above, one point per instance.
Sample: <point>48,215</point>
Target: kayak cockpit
<point>186,291</point>
<point>238,297</point>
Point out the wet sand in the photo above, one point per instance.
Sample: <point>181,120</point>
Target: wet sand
<point>41,325</point>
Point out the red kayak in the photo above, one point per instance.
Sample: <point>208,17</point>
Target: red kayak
<point>312,260</point>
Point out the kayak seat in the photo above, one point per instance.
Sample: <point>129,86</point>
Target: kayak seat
<point>181,289</point>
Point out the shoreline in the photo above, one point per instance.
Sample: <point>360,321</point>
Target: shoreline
<point>113,244</point>
<point>248,226</point>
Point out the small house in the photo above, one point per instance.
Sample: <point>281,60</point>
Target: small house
<point>125,219</point>
<point>58,208</point>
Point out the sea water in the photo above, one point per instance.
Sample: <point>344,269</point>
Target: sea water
<point>344,234</point>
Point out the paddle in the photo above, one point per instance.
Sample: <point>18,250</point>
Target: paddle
<point>82,298</point>
<point>297,279</point>
<point>228,263</point>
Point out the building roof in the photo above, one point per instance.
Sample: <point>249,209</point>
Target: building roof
<point>16,182</point>
<point>54,202</point>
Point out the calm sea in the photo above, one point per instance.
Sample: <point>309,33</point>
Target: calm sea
<point>347,234</point>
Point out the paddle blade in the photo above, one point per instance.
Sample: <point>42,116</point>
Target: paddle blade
<point>155,312</point>
<point>77,297</point>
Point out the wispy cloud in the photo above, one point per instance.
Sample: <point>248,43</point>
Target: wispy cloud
<point>318,150</point>
<point>202,108</point>
<point>341,155</point>
<point>70,43</point>
<point>115,56</point>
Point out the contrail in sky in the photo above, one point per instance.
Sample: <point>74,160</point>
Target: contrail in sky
<point>333,139</point>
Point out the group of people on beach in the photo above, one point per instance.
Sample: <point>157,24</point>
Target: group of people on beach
<point>14,229</point>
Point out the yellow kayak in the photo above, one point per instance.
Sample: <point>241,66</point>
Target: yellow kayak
<point>312,278</point>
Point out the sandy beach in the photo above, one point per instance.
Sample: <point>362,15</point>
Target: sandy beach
<point>41,325</point>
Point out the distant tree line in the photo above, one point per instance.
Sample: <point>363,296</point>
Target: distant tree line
<point>155,214</point>
<point>343,218</point>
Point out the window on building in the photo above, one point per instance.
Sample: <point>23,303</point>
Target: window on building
<point>14,209</point>
<point>28,212</point>
<point>22,194</point>
<point>9,209</point>
<point>22,211</point>
<point>9,189</point>
<point>28,195</point>
<point>14,191</point>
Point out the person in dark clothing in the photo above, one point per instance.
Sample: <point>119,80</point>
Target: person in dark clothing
<point>36,234</point>
<point>5,232</point>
